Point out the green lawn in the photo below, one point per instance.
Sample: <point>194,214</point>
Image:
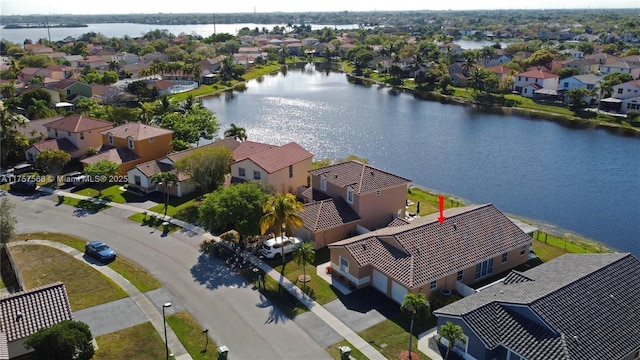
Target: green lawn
<point>184,208</point>
<point>139,277</point>
<point>334,351</point>
<point>318,289</point>
<point>42,265</point>
<point>391,336</point>
<point>429,202</point>
<point>140,342</point>
<point>112,192</point>
<point>191,336</point>
<point>152,222</point>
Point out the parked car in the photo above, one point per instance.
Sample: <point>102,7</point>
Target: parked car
<point>273,247</point>
<point>73,178</point>
<point>100,251</point>
<point>22,168</point>
<point>23,186</point>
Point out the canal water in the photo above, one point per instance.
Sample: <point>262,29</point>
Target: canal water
<point>576,180</point>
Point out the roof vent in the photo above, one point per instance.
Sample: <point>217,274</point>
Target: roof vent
<point>455,226</point>
<point>336,175</point>
<point>372,173</point>
<point>575,338</point>
<point>18,316</point>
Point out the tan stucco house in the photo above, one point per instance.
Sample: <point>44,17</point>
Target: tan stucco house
<point>131,144</point>
<point>285,167</point>
<point>74,134</point>
<point>24,313</point>
<point>425,256</point>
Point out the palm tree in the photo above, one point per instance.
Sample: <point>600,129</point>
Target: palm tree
<point>452,332</point>
<point>281,213</point>
<point>236,132</point>
<point>165,179</point>
<point>165,106</point>
<point>415,304</point>
<point>304,253</point>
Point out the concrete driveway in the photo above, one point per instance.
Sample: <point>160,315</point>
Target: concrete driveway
<point>363,308</point>
<point>234,312</point>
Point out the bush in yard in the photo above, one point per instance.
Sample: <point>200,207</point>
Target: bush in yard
<point>66,340</point>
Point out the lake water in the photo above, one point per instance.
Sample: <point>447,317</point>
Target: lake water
<point>583,181</point>
<point>135,30</point>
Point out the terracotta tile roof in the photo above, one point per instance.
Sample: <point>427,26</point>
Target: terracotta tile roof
<point>425,250</point>
<point>4,347</point>
<point>327,214</point>
<point>63,84</point>
<point>118,155</point>
<point>63,144</point>
<point>25,312</point>
<point>499,69</point>
<point>161,84</point>
<point>248,148</point>
<point>137,131</point>
<point>230,143</point>
<point>537,74</point>
<point>277,158</point>
<point>78,123</point>
<point>362,177</point>
<point>577,302</point>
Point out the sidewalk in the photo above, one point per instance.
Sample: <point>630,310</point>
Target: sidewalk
<point>316,308</point>
<point>423,343</point>
<point>146,306</point>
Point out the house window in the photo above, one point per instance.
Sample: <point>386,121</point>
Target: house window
<point>241,172</point>
<point>68,91</point>
<point>566,84</point>
<point>504,258</point>
<point>130,139</point>
<point>308,181</point>
<point>620,91</point>
<point>81,136</point>
<point>459,276</point>
<point>433,284</point>
<point>525,90</point>
<point>484,268</point>
<point>378,193</point>
<point>151,139</point>
<point>350,195</point>
<point>136,180</point>
<point>344,264</point>
<point>110,139</point>
<point>523,250</point>
<point>256,175</point>
<point>290,171</point>
<point>323,183</point>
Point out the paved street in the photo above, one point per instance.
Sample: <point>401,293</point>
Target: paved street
<point>234,312</point>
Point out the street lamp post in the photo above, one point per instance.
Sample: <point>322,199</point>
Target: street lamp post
<point>164,320</point>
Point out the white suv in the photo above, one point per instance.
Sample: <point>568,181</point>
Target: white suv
<point>273,247</point>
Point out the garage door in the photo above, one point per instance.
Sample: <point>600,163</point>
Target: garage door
<point>398,292</point>
<point>380,281</point>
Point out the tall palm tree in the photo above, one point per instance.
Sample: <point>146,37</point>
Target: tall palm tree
<point>415,304</point>
<point>165,106</point>
<point>236,132</point>
<point>281,213</point>
<point>165,179</point>
<point>304,253</point>
<point>452,332</point>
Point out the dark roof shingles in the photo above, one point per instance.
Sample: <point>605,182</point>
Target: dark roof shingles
<point>362,177</point>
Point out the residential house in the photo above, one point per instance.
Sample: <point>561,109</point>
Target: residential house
<point>73,59</point>
<point>584,66</point>
<point>62,72</point>
<point>496,60</point>
<point>572,307</point>
<point>285,167</point>
<point>131,144</point>
<point>24,313</point>
<point>631,59</point>
<point>586,37</point>
<point>81,132</point>
<point>587,81</point>
<point>500,71</point>
<point>92,61</point>
<point>140,176</point>
<point>575,54</point>
<point>310,42</point>
<point>626,96</point>
<point>133,70</point>
<point>104,54</point>
<point>163,86</point>
<point>154,56</point>
<point>375,195</point>
<point>70,89</point>
<point>28,73</point>
<point>428,257</point>
<point>602,58</point>
<point>621,67</point>
<point>294,48</point>
<point>125,57</point>
<point>529,82</point>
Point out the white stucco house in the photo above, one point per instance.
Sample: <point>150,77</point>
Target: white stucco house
<point>529,82</point>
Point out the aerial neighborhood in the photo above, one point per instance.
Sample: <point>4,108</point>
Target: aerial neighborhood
<point>107,144</point>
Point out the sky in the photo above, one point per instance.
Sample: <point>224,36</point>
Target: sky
<point>48,7</point>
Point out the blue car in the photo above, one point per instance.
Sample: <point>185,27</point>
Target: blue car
<point>100,251</point>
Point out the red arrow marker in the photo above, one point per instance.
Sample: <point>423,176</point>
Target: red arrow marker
<point>441,217</point>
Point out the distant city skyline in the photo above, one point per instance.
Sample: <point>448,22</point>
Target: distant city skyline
<point>77,7</point>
